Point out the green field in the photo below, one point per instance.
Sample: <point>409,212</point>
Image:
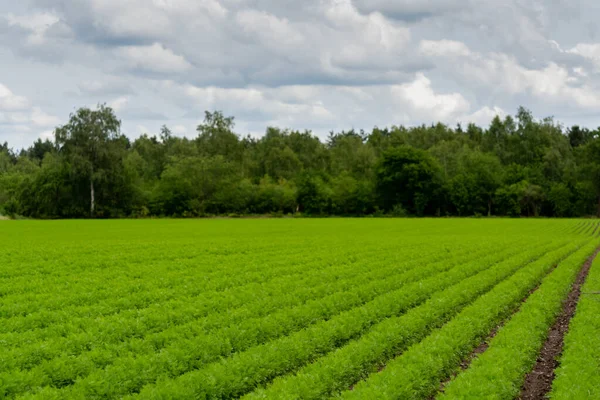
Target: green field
<point>289,308</point>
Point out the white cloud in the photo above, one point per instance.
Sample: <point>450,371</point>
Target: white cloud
<point>323,107</point>
<point>20,120</point>
<point>411,8</point>
<point>590,51</point>
<point>319,64</point>
<point>366,40</point>
<point>483,116</point>
<point>422,99</point>
<point>119,103</point>
<point>179,130</point>
<point>444,47</point>
<point>131,18</point>
<point>104,86</point>
<point>40,118</point>
<point>141,130</point>
<point>47,135</point>
<point>156,58</point>
<point>37,24</point>
<point>270,30</point>
<point>501,72</point>
<point>10,101</point>
<point>255,100</point>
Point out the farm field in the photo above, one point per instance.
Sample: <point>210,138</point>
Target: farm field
<point>292,308</point>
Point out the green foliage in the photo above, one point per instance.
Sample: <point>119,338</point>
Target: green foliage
<point>519,167</point>
<point>560,197</point>
<point>268,308</point>
<point>418,371</point>
<point>578,374</point>
<point>313,194</point>
<point>344,367</point>
<point>500,371</point>
<point>409,177</point>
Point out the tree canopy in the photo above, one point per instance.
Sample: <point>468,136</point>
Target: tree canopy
<point>516,166</point>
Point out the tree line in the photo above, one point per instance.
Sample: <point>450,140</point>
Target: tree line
<point>518,166</point>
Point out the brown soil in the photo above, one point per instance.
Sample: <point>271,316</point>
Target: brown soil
<point>539,381</point>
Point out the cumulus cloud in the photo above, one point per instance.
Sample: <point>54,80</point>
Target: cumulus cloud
<point>498,72</point>
<point>20,122</point>
<point>423,100</point>
<point>483,116</point>
<point>11,102</point>
<point>318,64</point>
<point>444,48</point>
<point>36,24</point>
<point>104,86</point>
<point>412,9</point>
<point>155,58</point>
<point>590,51</point>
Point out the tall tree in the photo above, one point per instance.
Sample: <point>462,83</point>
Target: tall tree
<point>85,141</point>
<point>409,177</point>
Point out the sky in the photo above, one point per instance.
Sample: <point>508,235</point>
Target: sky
<point>315,64</point>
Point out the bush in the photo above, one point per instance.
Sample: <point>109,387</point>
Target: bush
<point>398,211</point>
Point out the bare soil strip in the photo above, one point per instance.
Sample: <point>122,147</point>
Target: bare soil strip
<point>539,381</point>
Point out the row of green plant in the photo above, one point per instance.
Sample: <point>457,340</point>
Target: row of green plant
<point>578,374</point>
<point>260,298</point>
<point>190,295</point>
<point>157,326</point>
<point>233,263</point>
<point>208,289</point>
<point>418,371</point>
<point>245,371</point>
<point>177,351</point>
<point>500,371</point>
<point>345,366</point>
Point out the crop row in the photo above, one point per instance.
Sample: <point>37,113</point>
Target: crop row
<point>345,366</point>
<point>224,308</point>
<point>501,369</point>
<point>102,285</point>
<point>138,363</point>
<point>418,371</point>
<point>208,290</point>
<point>244,371</point>
<point>115,289</point>
<point>208,311</point>
<point>578,374</point>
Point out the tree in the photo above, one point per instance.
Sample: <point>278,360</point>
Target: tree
<point>518,166</point>
<point>40,149</point>
<point>191,185</point>
<point>409,177</point>
<point>578,136</point>
<point>313,194</point>
<point>485,172</point>
<point>85,141</point>
<point>216,136</point>
<point>560,198</point>
<point>590,167</point>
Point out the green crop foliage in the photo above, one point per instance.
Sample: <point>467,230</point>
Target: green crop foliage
<point>272,308</point>
<point>500,371</point>
<point>418,371</point>
<point>578,375</point>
